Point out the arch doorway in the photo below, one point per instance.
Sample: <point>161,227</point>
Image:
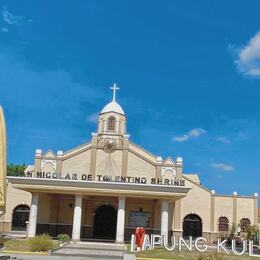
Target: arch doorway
<point>20,216</point>
<point>192,226</point>
<point>105,222</point>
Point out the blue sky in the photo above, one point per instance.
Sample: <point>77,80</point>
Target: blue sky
<point>189,73</point>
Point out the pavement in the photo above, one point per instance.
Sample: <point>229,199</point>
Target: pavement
<point>37,257</point>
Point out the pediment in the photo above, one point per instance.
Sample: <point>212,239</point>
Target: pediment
<point>168,161</point>
<point>49,154</point>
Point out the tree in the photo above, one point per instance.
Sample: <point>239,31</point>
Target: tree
<point>252,232</point>
<point>15,169</point>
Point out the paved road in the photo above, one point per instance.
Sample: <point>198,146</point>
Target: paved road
<point>36,257</point>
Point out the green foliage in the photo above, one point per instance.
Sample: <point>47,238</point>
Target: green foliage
<point>215,256</point>
<point>17,245</point>
<point>63,237</point>
<point>252,232</point>
<point>41,243</point>
<point>16,169</point>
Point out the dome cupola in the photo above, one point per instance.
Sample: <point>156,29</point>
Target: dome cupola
<point>113,106</point>
<point>112,118</point>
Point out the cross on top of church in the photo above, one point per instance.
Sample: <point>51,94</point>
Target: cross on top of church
<point>114,88</point>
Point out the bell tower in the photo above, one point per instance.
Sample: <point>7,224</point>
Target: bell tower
<point>110,142</point>
<point>112,119</point>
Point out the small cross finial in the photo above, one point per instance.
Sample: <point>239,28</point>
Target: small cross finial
<point>114,88</point>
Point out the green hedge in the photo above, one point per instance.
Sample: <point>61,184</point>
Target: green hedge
<point>63,237</point>
<point>41,243</point>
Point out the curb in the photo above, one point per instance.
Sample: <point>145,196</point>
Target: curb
<point>150,258</point>
<point>24,252</point>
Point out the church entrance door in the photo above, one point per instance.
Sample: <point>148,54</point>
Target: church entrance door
<point>105,220</point>
<point>192,226</point>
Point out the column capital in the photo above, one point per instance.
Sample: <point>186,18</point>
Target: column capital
<point>165,200</point>
<point>78,194</point>
<point>35,193</point>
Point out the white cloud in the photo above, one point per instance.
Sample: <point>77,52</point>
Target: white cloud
<point>223,140</point>
<point>248,57</point>
<point>196,132</point>
<point>180,138</point>
<point>93,118</point>
<point>222,167</point>
<point>10,18</point>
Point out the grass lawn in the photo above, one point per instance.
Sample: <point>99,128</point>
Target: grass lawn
<point>159,253</point>
<point>21,245</point>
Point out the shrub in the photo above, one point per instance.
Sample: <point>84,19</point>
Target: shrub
<point>41,243</point>
<point>215,256</point>
<point>17,245</point>
<point>252,232</point>
<point>63,237</point>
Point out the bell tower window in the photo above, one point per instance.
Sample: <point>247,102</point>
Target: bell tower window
<point>111,123</point>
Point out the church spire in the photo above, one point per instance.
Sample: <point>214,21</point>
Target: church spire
<point>113,106</point>
<point>114,88</point>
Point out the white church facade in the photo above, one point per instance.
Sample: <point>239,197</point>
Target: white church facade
<point>107,187</point>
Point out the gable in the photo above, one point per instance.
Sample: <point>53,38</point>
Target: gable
<point>142,153</point>
<point>193,177</point>
<point>77,150</point>
<point>77,163</point>
<point>49,154</point>
<point>168,161</point>
<point>109,164</point>
<point>139,167</point>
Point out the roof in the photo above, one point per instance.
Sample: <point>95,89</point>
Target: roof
<point>29,168</point>
<point>113,106</point>
<point>193,177</point>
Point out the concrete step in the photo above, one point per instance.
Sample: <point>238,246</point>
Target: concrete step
<point>94,250</point>
<point>96,246</point>
<point>90,253</point>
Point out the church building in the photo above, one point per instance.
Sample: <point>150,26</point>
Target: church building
<point>104,189</point>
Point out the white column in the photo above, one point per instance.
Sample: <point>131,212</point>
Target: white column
<point>77,218</point>
<point>164,218</point>
<point>33,216</point>
<point>120,229</point>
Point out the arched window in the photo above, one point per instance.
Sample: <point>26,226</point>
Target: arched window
<point>111,123</point>
<point>20,216</point>
<point>245,222</point>
<point>223,224</point>
<point>192,226</point>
